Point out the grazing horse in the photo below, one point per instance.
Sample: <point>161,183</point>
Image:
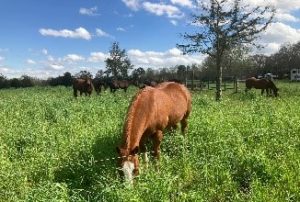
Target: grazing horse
<point>263,84</point>
<point>98,84</point>
<point>118,84</point>
<point>151,111</point>
<point>83,86</point>
<point>147,83</point>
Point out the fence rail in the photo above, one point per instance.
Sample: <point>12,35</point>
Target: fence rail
<point>211,85</point>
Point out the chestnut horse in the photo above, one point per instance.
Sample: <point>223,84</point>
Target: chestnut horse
<point>83,86</point>
<point>151,111</point>
<point>263,84</point>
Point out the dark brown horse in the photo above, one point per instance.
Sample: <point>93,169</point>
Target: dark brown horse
<point>151,111</point>
<point>263,84</point>
<point>83,86</point>
<point>98,84</point>
<point>147,83</point>
<point>118,84</point>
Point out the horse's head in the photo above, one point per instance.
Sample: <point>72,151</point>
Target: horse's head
<point>89,85</point>
<point>128,163</point>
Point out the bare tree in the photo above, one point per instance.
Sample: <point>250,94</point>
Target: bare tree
<point>223,25</point>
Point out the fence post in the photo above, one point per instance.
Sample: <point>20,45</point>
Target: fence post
<point>208,84</point>
<point>192,79</point>
<point>235,84</point>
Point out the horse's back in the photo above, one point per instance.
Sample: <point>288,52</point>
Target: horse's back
<point>178,92</point>
<point>257,83</point>
<point>180,99</point>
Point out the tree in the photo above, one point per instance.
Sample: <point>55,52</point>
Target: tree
<point>138,74</point>
<point>99,74</point>
<point>181,72</point>
<point>3,81</point>
<point>83,74</point>
<point>118,64</point>
<point>26,81</point>
<point>15,83</point>
<point>67,79</point>
<point>225,24</point>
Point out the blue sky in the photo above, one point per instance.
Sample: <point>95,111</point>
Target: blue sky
<point>49,37</point>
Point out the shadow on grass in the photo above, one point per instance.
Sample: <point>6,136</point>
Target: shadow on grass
<point>90,168</point>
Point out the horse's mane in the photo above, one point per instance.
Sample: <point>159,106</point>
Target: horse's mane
<point>130,115</point>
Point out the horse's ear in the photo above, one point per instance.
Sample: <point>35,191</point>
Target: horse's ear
<point>134,151</point>
<point>118,150</point>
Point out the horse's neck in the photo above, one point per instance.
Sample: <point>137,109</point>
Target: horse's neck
<point>132,135</point>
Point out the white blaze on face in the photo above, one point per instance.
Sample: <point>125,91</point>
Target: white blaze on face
<point>128,168</point>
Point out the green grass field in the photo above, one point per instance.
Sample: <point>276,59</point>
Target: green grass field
<point>56,148</point>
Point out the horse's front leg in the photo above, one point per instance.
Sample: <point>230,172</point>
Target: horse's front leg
<point>143,149</point>
<point>75,92</point>
<point>268,91</point>
<point>157,138</point>
<point>262,91</point>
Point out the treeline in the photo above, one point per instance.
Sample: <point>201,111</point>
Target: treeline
<point>28,81</point>
<point>238,64</point>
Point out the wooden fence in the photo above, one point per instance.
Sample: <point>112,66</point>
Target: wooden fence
<point>235,85</point>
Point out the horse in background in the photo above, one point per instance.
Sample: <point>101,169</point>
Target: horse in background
<point>83,86</point>
<point>98,84</point>
<point>118,84</point>
<point>145,83</point>
<point>263,84</point>
<point>151,111</point>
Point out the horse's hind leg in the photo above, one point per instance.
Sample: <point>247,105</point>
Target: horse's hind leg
<point>184,122</point>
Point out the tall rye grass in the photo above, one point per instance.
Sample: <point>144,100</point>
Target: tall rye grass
<point>245,148</point>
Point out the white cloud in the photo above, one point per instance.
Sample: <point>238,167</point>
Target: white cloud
<point>157,60</point>
<point>101,33</point>
<point>286,17</point>
<point>163,9</point>
<point>89,11</point>
<point>45,51</point>
<point>78,33</point>
<point>4,70</point>
<point>174,22</point>
<point>184,3</point>
<point>73,58</point>
<point>279,4</point>
<point>132,4</point>
<point>1,58</point>
<point>121,29</point>
<point>276,35</point>
<point>56,66</point>
<point>281,33</point>
<point>97,57</point>
<point>50,58</point>
<point>30,61</point>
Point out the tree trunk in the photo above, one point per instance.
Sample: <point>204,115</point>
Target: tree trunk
<point>219,80</point>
